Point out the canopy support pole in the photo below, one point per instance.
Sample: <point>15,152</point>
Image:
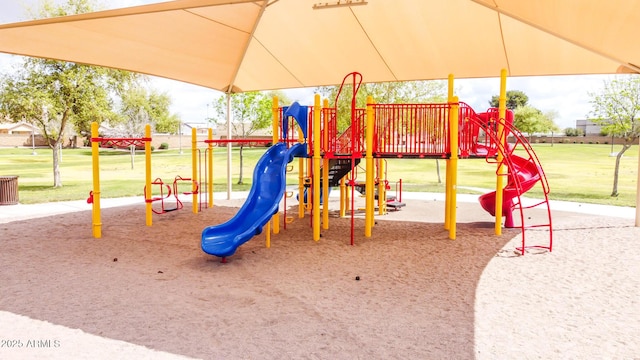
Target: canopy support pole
<point>502,139</point>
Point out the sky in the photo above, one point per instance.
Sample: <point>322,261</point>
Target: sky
<point>568,96</point>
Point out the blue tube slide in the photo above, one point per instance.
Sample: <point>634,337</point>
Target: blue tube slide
<point>269,182</point>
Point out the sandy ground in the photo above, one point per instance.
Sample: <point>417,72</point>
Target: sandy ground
<point>150,292</point>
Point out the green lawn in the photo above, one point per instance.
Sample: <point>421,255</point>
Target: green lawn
<point>576,172</point>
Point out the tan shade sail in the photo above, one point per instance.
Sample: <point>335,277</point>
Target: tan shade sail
<point>278,44</point>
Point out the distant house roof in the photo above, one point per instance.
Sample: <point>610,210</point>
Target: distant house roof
<point>18,128</point>
<point>201,128</point>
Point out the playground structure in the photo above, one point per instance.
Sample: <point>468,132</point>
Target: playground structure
<point>332,156</point>
<point>171,191</point>
<point>165,192</point>
<point>95,195</point>
<point>446,131</point>
<point>166,195</point>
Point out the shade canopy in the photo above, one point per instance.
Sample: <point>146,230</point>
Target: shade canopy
<point>240,45</point>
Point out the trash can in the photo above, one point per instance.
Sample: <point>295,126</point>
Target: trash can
<point>8,190</point>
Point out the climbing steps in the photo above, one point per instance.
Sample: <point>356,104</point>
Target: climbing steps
<point>339,168</point>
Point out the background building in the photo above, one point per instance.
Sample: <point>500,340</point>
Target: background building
<point>588,128</point>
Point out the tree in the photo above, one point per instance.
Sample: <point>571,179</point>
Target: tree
<point>137,109</point>
<point>530,120</point>
<point>515,98</point>
<point>573,132</point>
<point>617,109</point>
<point>163,120</point>
<point>54,95</point>
<point>251,111</point>
<point>49,8</point>
<point>526,118</point>
<point>140,106</point>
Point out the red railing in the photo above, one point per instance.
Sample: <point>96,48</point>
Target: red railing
<point>329,131</point>
<point>411,130</point>
<point>468,130</point>
<point>474,127</point>
<point>351,141</point>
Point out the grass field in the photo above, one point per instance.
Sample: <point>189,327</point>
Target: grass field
<point>576,172</point>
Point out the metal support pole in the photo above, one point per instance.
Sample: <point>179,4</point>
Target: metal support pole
<point>95,205</point>
<point>454,118</point>
<point>147,180</point>
<point>316,168</point>
<point>502,139</point>
<point>369,189</point>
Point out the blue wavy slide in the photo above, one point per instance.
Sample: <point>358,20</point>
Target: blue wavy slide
<point>268,187</point>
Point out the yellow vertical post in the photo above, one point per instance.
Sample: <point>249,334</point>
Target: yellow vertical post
<point>210,168</point>
<point>343,198</point>
<point>382,190</point>
<point>637,222</point>
<point>447,181</point>
<point>276,221</point>
<point>369,207</point>
<point>229,146</point>
<point>267,235</point>
<point>454,167</point>
<point>325,169</point>
<point>147,180</point>
<point>194,170</point>
<point>347,199</point>
<point>275,139</point>
<point>502,139</point>
<point>301,197</point>
<point>316,168</point>
<point>275,110</point>
<point>95,206</point>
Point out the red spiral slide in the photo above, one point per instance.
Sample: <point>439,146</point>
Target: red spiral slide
<point>527,175</point>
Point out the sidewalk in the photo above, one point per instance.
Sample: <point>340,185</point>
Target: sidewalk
<point>9,213</point>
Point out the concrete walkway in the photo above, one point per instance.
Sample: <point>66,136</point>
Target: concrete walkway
<point>9,213</point>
